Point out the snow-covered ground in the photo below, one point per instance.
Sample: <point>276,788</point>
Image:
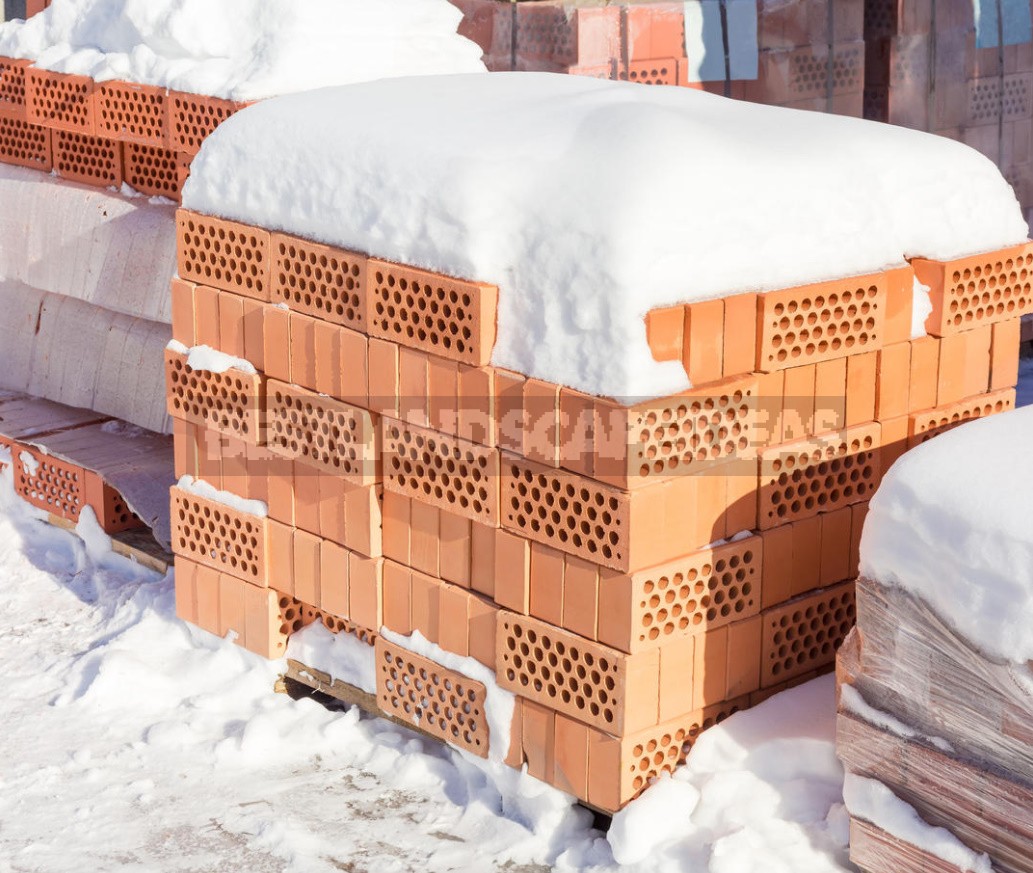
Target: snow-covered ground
<point>132,742</point>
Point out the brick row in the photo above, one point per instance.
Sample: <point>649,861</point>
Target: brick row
<point>229,402</point>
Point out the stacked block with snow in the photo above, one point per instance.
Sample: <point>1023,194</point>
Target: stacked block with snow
<point>933,686</point>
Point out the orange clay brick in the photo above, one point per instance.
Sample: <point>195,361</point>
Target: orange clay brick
<point>777,572</point>
<point>637,445</point>
<point>806,555</point>
<point>476,403</point>
<point>925,366</point>
<point>570,756</point>
<point>231,324</point>
<point>363,521</point>
<point>354,360</point>
<point>798,403</point>
<point>192,117</point>
<point>446,471</point>
<point>306,497</point>
<point>858,513</point>
<point>512,571</point>
<point>425,548</point>
<point>448,317</point>
<point>546,584</point>
<point>420,692</point>
<point>425,604</point>
<point>835,546</point>
<point>443,395</point>
<point>892,381</point>
<point>335,437</point>
<point>803,635</point>
<point>510,419</point>
<point>366,591</point>
<point>332,520</point>
<point>235,475</point>
<point>619,696</point>
<point>228,402</point>
<point>133,113</point>
<point>454,620</point>
<point>26,145</point>
<point>739,343</point>
<point>677,676</point>
<point>664,331</point>
<point>620,769</point>
<point>705,589</point>
<point>982,289</point>
<point>321,281</point>
<point>152,170</point>
<point>327,342</point>
<point>206,316</point>
<point>13,88</point>
<point>817,322</point>
<point>581,594</point>
<point>206,585</point>
<point>702,353</point>
<point>277,343</point>
<point>280,487</point>
<point>398,598</point>
<point>932,422</point>
<point>223,254</point>
<point>306,566</point>
<point>541,422</point>
<point>219,537</point>
<point>537,738</point>
<point>397,531</point>
<point>577,431</point>
<point>455,534</point>
<point>744,657</point>
<point>83,157</point>
<point>830,395</point>
<point>412,386</point>
<point>899,304</point>
<point>950,382</point>
<point>281,556</point>
<point>977,361</point>
<point>303,350</point>
<point>710,666</point>
<point>61,101</point>
<point>801,479</point>
<point>861,375</point>
<point>482,559</point>
<point>383,376</point>
<point>770,396</point>
<point>894,440</point>
<point>183,312</point>
<point>1004,355</point>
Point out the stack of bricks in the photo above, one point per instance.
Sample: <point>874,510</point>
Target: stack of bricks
<point>103,133</point>
<point>631,574</point>
<point>932,66</point>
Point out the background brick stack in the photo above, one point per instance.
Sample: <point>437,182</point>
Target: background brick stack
<point>103,133</point>
<point>631,573</point>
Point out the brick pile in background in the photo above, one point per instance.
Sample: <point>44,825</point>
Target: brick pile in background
<point>633,574</point>
<point>103,133</point>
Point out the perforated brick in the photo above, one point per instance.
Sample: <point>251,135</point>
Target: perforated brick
<point>593,683</point>
<point>49,483</point>
<point>803,635</point>
<point>318,280</point>
<point>448,317</point>
<point>639,444</point>
<point>932,422</point>
<point>704,590</point>
<point>445,471</point>
<point>547,33</point>
<point>992,98</point>
<point>657,72</point>
<point>61,101</point>
<point>572,513</point>
<point>192,117</point>
<point>809,70</point>
<point>133,113</point>
<point>152,170</point>
<point>223,254</point>
<point>219,537</point>
<point>329,434</point>
<point>92,160</point>
<point>819,474</point>
<point>12,87</point>
<point>25,144</point>
<point>228,402</point>
<point>441,702</point>
<point>983,289</point>
<point>818,322</point>
<point>337,625</point>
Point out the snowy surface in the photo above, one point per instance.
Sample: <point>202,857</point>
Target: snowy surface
<point>343,657</point>
<point>873,802</point>
<point>200,488</point>
<point>589,202</point>
<point>244,49</point>
<point>157,746</point>
<point>952,523</point>
<point>207,359</point>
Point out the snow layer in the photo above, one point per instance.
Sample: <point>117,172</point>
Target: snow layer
<point>874,802</point>
<point>207,359</point>
<point>244,49</point>
<point>341,656</point>
<point>234,501</point>
<point>951,523</point>
<point>589,202</point>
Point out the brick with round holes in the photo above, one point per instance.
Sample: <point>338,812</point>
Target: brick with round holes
<point>798,480</point>
<point>452,318</point>
<point>192,117</point>
<point>442,470</point>
<point>597,685</point>
<point>930,423</point>
<point>61,101</point>
<point>220,537</point>
<point>25,144</point>
<point>152,170</point>
<point>92,160</point>
<point>130,112</point>
<point>49,483</point>
<point>13,87</point>
<point>321,281</point>
<point>982,289</point>
<point>706,589</point>
<point>439,701</point>
<point>663,71</point>
<point>797,326</point>
<point>803,635</point>
<point>334,436</point>
<point>228,402</point>
<point>640,444</point>
<point>223,254</point>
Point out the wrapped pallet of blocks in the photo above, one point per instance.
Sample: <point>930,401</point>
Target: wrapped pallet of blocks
<point>549,480</point>
<point>934,685</point>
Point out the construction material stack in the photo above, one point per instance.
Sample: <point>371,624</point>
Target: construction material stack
<point>631,574</point>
